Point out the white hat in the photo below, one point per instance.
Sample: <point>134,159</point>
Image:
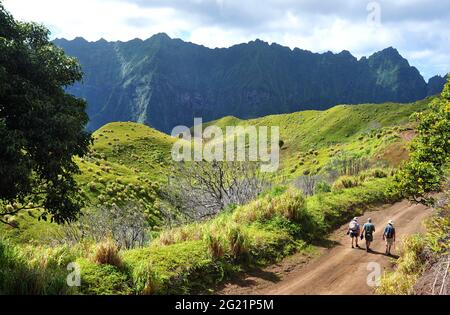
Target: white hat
<point>355,219</point>
<point>391,222</point>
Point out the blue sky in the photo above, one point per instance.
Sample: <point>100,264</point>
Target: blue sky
<point>417,28</point>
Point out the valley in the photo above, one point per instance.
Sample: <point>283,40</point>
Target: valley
<point>117,176</point>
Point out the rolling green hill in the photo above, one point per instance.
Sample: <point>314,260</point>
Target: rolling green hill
<point>312,138</point>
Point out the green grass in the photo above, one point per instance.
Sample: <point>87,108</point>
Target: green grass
<point>127,163</point>
<point>312,138</point>
<point>34,270</point>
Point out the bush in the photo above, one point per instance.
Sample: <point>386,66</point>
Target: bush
<point>289,205</point>
<point>215,245</point>
<point>322,187</point>
<point>103,279</point>
<point>379,173</point>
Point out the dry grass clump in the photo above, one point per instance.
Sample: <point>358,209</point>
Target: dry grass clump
<point>192,232</point>
<point>344,182</point>
<point>107,253</point>
<point>288,205</point>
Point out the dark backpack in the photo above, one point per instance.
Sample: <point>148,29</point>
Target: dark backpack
<point>389,231</point>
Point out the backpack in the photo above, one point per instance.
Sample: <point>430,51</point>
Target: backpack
<point>369,227</point>
<point>389,231</point>
<point>353,226</point>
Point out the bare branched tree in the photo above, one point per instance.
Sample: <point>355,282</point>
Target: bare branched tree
<point>202,189</point>
<point>126,225</point>
<point>307,183</point>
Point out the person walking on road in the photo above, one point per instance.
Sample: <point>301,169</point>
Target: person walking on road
<point>389,236</point>
<point>354,230</point>
<point>367,232</point>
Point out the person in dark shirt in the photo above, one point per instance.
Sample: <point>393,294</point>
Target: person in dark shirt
<point>367,232</point>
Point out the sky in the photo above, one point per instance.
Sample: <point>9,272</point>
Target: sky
<point>419,29</point>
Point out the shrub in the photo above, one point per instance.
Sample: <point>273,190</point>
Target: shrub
<point>103,279</point>
<point>92,187</point>
<point>322,187</point>
<point>378,173</point>
<point>30,270</point>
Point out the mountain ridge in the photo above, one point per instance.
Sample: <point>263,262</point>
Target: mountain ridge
<point>165,82</point>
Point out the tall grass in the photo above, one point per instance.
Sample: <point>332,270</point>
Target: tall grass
<point>33,271</point>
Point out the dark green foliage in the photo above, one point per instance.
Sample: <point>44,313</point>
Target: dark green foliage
<point>322,187</point>
<point>101,279</point>
<point>430,151</point>
<point>41,126</point>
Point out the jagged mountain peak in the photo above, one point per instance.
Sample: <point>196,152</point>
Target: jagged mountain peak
<point>164,85</point>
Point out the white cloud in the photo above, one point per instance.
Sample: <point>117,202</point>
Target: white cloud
<point>418,28</point>
<point>95,19</point>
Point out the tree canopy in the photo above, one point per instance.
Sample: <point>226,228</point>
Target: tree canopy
<point>41,126</point>
<point>430,151</point>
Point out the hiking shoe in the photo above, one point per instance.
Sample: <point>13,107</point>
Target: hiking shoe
<point>357,245</point>
<point>352,246</point>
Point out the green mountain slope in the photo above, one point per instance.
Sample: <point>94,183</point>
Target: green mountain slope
<point>165,82</point>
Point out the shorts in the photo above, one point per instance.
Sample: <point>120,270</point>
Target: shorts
<point>354,234</point>
<point>389,241</point>
<point>369,237</point>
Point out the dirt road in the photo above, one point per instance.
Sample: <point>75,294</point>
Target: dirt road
<point>341,269</point>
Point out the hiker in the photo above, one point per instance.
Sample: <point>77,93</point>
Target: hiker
<point>389,236</point>
<point>367,232</point>
<point>353,231</point>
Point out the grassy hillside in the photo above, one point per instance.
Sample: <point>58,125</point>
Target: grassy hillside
<point>126,164</point>
<point>312,138</point>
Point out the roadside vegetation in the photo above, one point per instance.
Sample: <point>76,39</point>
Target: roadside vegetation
<point>424,262</point>
<point>194,257</point>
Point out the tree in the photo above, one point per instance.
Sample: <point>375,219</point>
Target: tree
<point>202,189</point>
<point>125,225</point>
<point>41,127</point>
<point>430,152</point>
